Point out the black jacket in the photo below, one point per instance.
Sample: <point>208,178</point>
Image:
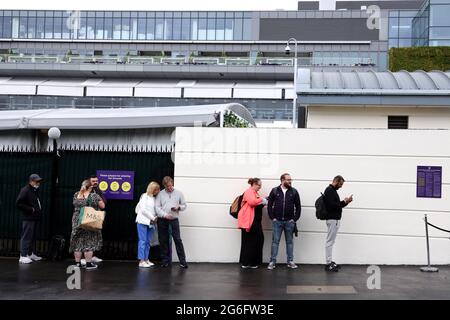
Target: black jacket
<point>284,209</point>
<point>29,203</point>
<point>333,203</point>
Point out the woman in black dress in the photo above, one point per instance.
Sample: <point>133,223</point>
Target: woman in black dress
<point>252,241</point>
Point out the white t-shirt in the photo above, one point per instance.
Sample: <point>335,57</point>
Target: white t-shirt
<point>284,190</point>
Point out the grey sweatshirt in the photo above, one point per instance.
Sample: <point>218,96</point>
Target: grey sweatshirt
<point>165,201</point>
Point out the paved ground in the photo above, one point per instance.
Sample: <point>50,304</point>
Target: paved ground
<point>123,280</point>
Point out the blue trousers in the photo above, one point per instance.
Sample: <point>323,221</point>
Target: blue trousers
<point>278,228</point>
<point>145,234</point>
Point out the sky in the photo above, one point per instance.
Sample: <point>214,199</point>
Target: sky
<point>151,5</point>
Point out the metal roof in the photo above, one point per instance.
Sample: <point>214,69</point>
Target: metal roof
<point>371,87</point>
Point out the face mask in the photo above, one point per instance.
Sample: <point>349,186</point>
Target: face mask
<point>36,186</point>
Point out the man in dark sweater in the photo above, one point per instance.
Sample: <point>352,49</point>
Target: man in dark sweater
<point>29,203</point>
<point>284,209</point>
<point>334,206</point>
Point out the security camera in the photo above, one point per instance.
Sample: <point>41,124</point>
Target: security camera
<point>287,50</point>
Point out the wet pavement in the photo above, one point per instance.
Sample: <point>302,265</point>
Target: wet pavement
<point>124,280</point>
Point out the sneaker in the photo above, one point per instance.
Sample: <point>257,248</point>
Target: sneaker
<point>292,265</point>
<point>91,266</point>
<point>144,264</point>
<point>34,257</point>
<point>271,265</point>
<point>165,265</point>
<point>331,268</point>
<point>96,259</point>
<point>245,267</point>
<point>335,265</point>
<point>183,265</point>
<point>25,260</point>
<point>151,264</point>
<point>253,267</point>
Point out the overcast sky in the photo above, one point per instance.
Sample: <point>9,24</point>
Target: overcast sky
<point>151,5</point>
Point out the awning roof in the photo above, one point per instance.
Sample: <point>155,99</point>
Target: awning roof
<point>124,118</point>
<point>370,87</point>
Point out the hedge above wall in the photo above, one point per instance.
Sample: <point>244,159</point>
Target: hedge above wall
<point>419,58</point>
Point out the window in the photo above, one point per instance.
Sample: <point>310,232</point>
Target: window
<point>397,122</point>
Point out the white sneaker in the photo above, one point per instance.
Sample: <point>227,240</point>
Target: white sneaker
<point>144,264</point>
<point>34,257</point>
<point>83,262</point>
<point>96,259</point>
<point>292,265</point>
<point>271,265</point>
<point>151,264</point>
<point>25,260</point>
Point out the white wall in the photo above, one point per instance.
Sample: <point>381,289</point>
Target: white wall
<point>376,117</point>
<point>384,223</point>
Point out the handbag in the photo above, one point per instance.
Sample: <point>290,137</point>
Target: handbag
<point>91,219</point>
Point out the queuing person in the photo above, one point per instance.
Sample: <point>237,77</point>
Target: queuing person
<point>249,221</point>
<point>146,221</point>
<point>284,209</point>
<point>95,189</point>
<point>29,203</point>
<point>333,205</point>
<point>169,203</point>
<point>82,241</point>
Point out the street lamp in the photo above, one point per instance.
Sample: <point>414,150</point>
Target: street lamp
<point>287,49</point>
<point>53,134</point>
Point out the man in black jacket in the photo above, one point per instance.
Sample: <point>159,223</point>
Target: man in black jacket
<point>29,203</point>
<point>284,210</point>
<point>334,206</point>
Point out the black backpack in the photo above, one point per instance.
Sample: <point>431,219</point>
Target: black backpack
<point>321,209</point>
<point>236,206</point>
<point>56,248</point>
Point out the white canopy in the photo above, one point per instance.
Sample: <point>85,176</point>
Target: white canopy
<point>123,118</point>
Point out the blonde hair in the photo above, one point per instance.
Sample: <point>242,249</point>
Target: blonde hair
<point>167,180</point>
<point>85,185</point>
<point>152,187</point>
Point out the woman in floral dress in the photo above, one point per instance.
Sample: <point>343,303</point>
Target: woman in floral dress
<point>85,241</point>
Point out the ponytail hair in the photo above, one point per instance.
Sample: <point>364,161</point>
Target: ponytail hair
<point>253,181</point>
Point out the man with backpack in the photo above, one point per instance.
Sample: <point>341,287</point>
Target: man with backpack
<point>284,210</point>
<point>329,207</point>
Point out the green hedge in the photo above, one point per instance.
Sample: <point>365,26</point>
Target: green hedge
<point>419,58</point>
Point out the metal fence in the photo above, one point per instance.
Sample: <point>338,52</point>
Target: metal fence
<point>119,231</point>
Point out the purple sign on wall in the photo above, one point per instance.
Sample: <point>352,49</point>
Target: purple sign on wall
<point>429,182</point>
<point>117,185</point>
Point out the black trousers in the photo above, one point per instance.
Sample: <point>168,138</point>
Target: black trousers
<point>28,238</point>
<point>163,234</point>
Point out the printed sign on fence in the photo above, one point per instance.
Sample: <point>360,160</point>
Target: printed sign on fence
<point>118,185</point>
<point>429,182</point>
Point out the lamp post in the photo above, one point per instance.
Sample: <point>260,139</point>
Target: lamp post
<point>53,134</point>
<point>294,102</point>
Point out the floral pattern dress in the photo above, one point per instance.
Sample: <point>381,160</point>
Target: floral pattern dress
<point>82,240</point>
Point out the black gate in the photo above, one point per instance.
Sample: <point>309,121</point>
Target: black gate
<point>119,231</point>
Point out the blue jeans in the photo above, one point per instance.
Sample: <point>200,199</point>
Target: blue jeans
<point>278,228</point>
<point>145,234</point>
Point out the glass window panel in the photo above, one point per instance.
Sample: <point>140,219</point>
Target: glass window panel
<point>211,29</point>
<point>229,14</point>
<point>220,29</point>
<point>23,26</point>
<point>229,29</point>
<point>202,29</point>
<point>58,28</point>
<point>7,21</point>
<point>404,43</point>
<point>440,15</point>
<point>176,29</point>
<point>108,14</point>
<point>40,28</point>
<point>142,27</point>
<point>238,14</point>
<point>237,29</point>
<point>177,14</point>
<point>194,28</point>
<point>99,27</point>
<point>185,29</point>
<point>393,27</point>
<point>126,29</point>
<point>150,29</point>
<point>247,29</point>
<point>168,29</point>
<point>82,28</point>
<point>48,27</point>
<point>211,14</point>
<point>440,33</point>
<point>436,43</point>
<point>108,31</point>
<point>116,28</point>
<point>405,28</point>
<point>65,28</point>
<point>142,14</point>
<point>159,29</point>
<point>15,27</point>
<point>186,15</point>
<point>31,29</point>
<point>90,28</point>
<point>134,28</point>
